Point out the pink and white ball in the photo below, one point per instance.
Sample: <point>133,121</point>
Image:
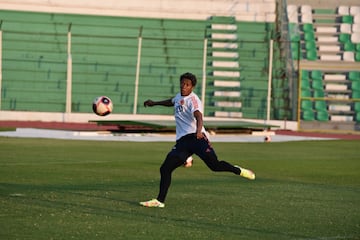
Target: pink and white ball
<point>102,106</point>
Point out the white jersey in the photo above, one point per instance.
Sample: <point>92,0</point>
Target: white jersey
<point>184,107</point>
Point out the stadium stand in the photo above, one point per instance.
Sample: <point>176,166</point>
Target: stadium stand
<point>34,65</point>
<point>325,40</point>
<point>320,62</point>
<point>104,60</point>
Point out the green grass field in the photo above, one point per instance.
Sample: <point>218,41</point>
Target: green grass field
<point>64,189</point>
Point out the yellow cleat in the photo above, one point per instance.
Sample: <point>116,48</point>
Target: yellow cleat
<point>246,173</point>
<point>153,203</point>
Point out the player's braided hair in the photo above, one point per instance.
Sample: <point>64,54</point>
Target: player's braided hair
<point>189,76</point>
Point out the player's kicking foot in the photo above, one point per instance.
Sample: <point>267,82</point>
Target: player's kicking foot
<point>246,173</point>
<point>153,203</point>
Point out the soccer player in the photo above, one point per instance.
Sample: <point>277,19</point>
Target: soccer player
<point>191,138</point>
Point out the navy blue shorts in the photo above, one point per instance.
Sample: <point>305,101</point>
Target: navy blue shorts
<point>189,145</point>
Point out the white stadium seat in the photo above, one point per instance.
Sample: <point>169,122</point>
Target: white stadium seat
<point>355,37</point>
<point>356,27</point>
<point>292,13</point>
<point>220,83</point>
<point>348,56</point>
<point>336,87</point>
<point>326,29</point>
<point>354,10</point>
<point>229,64</point>
<point>357,18</point>
<point>306,18</point>
<point>334,77</point>
<point>329,48</point>
<point>306,9</point>
<point>330,57</point>
<point>337,107</point>
<point>345,28</point>
<point>291,9</point>
<point>330,39</point>
<point>343,10</point>
<point>293,18</point>
<point>341,118</point>
<point>228,114</point>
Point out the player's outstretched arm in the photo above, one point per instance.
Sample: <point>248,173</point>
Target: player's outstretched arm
<point>199,124</point>
<point>150,103</point>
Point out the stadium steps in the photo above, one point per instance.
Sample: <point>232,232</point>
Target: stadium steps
<point>223,65</point>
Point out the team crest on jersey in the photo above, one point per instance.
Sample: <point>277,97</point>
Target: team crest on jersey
<point>179,108</point>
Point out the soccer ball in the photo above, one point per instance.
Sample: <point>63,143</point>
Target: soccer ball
<point>102,106</point>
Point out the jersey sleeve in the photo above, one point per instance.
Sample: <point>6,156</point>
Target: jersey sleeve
<point>195,104</point>
<point>173,99</point>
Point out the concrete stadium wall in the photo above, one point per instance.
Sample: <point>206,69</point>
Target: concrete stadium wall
<point>243,10</point>
<point>324,4</point>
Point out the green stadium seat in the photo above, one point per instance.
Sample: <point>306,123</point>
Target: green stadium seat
<point>305,74</point>
<point>278,103</point>
<point>294,46</point>
<point>348,46</point>
<point>355,94</point>
<point>354,76</point>
<point>317,85</point>
<point>306,105</point>
<point>309,36</point>
<point>294,32</point>
<point>308,27</point>
<point>319,93</point>
<point>281,113</point>
<point>355,86</point>
<point>344,37</point>
<point>305,84</point>
<point>357,107</point>
<point>322,116</point>
<point>357,56</point>
<point>320,105</point>
<point>316,75</point>
<point>308,115</point>
<point>357,117</point>
<point>305,93</point>
<point>310,45</point>
<point>311,55</point>
<point>347,19</point>
<point>295,50</point>
<point>295,54</point>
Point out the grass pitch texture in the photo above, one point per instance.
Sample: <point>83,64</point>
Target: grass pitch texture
<point>63,189</point>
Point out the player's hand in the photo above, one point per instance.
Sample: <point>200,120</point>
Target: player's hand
<point>148,103</point>
<point>199,135</point>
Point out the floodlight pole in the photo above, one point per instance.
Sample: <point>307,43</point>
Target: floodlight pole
<point>0,64</point>
<point>203,85</point>
<point>268,105</point>
<point>137,71</point>
<point>69,73</point>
